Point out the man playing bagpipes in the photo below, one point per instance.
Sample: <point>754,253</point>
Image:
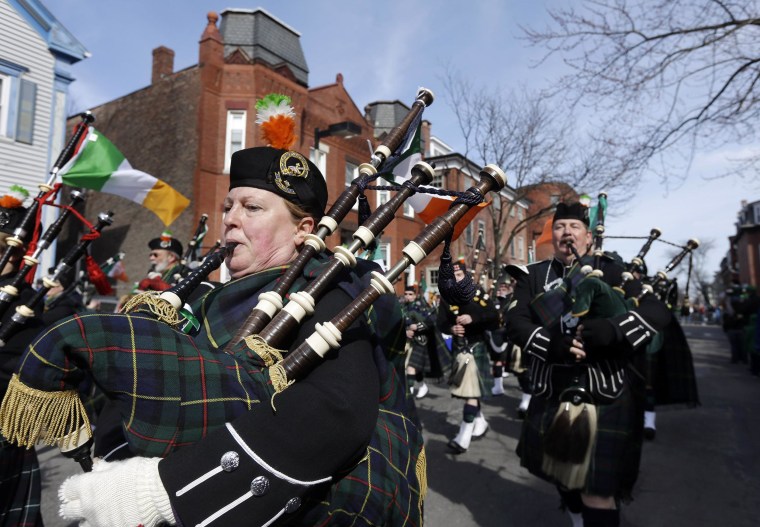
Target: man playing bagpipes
<point>467,324</point>
<point>428,350</point>
<point>583,428</point>
<point>164,256</point>
<point>667,364</point>
<point>20,482</point>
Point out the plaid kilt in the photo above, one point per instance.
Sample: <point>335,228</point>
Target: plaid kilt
<point>616,455</point>
<point>20,486</point>
<point>482,371</point>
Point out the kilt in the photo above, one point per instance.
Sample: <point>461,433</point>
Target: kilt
<point>478,369</point>
<point>20,486</point>
<point>616,454</point>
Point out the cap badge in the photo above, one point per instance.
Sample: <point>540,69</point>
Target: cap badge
<point>291,164</point>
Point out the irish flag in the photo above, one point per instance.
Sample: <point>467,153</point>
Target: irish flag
<point>427,206</point>
<point>97,164</point>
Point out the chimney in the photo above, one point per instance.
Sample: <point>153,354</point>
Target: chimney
<point>163,63</point>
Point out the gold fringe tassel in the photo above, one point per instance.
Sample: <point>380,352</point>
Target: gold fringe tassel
<point>29,415</point>
<point>160,308</point>
<point>421,470</point>
<point>279,381</point>
<point>259,346</point>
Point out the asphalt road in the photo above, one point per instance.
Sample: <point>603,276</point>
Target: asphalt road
<point>703,468</point>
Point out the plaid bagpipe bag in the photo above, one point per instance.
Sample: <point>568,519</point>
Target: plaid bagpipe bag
<point>173,388</point>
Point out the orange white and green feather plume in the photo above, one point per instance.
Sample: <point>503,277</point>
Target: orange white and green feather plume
<point>277,119</point>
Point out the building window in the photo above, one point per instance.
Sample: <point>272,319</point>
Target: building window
<point>554,199</point>
<point>382,195</point>
<point>468,235</point>
<point>521,248</point>
<point>512,211</point>
<point>432,277</point>
<point>438,179</point>
<point>319,157</point>
<point>408,210</point>
<point>383,255</point>
<point>512,248</point>
<point>481,234</point>
<point>520,213</point>
<point>5,91</point>
<point>235,138</point>
<point>26,103</point>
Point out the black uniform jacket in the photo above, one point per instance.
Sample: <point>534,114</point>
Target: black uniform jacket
<point>261,465</point>
<point>636,328</point>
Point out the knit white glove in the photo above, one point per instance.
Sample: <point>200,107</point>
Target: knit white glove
<point>122,493</point>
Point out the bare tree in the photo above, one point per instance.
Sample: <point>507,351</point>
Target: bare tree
<point>670,75</point>
<point>537,144</point>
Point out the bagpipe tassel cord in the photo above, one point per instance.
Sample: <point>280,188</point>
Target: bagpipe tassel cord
<point>28,415</point>
<point>453,292</point>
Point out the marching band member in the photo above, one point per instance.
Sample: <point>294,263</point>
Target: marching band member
<point>292,464</point>
<point>165,254</point>
<point>467,324</point>
<point>428,351</point>
<point>562,357</point>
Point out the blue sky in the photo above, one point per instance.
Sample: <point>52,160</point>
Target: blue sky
<point>386,50</point>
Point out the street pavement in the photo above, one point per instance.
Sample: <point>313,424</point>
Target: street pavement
<point>702,469</point>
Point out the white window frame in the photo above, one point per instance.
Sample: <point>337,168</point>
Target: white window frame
<point>234,125</point>
<point>319,157</point>
<point>408,210</point>
<point>385,252</point>
<point>354,174</point>
<point>5,99</point>
<point>383,196</point>
<point>521,248</point>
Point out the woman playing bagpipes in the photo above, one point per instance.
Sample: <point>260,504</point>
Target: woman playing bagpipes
<point>583,429</point>
<point>219,440</point>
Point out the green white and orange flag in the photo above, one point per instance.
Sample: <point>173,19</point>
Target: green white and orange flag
<point>427,206</point>
<point>97,164</point>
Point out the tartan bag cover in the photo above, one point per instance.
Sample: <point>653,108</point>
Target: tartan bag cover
<point>173,388</point>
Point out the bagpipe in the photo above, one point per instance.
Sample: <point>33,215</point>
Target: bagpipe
<point>16,243</point>
<point>27,311</point>
<point>9,293</point>
<point>171,387</point>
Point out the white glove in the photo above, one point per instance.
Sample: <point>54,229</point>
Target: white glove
<point>122,493</point>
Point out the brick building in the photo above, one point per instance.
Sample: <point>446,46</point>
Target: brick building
<point>743,258</point>
<point>185,125</point>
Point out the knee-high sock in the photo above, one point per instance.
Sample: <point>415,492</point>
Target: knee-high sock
<point>600,517</point>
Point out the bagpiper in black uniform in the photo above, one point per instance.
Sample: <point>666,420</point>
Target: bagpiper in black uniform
<point>497,338</point>
<point>428,353</point>
<point>467,324</point>
<point>565,354</point>
<point>165,256</point>
<point>667,364</point>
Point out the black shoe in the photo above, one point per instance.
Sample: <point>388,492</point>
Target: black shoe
<point>521,413</point>
<point>649,433</point>
<point>455,447</point>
